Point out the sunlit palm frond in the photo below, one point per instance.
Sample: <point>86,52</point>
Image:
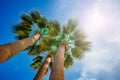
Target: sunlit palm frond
<point>85,46</point>
<point>65,29</point>
<point>72,24</point>
<point>77,53</point>
<point>77,34</point>
<point>54,28</point>
<point>57,26</point>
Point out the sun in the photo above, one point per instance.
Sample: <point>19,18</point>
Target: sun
<point>95,19</point>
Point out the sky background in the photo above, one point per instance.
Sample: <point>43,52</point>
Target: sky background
<point>100,20</point>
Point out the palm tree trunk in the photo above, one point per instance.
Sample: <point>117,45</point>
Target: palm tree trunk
<point>43,68</point>
<point>9,50</point>
<point>57,72</point>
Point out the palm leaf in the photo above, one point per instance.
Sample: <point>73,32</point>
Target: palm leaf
<point>77,52</point>
<point>68,61</point>
<point>27,18</point>
<point>42,22</point>
<point>35,16</point>
<point>37,62</point>
<point>72,24</point>
<point>53,28</point>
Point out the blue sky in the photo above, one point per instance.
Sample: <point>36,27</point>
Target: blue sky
<point>100,19</point>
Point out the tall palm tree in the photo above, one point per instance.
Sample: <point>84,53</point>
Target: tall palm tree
<point>33,25</point>
<point>47,45</point>
<point>73,45</point>
<point>43,68</point>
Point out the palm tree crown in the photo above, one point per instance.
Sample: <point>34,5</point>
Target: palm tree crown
<point>75,39</point>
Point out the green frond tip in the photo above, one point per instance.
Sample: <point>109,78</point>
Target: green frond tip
<point>37,61</point>
<point>68,61</point>
<point>44,31</point>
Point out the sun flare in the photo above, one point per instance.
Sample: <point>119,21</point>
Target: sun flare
<point>96,18</point>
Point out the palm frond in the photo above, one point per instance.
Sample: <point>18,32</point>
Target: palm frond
<point>34,50</point>
<point>85,46</point>
<point>21,30</point>
<point>38,58</point>
<point>27,18</point>
<point>57,26</point>
<point>54,28</point>
<point>66,30</point>
<point>77,34</point>
<point>72,24</point>
<point>68,61</point>
<point>35,16</point>
<point>37,62</point>
<point>42,23</point>
<point>77,53</point>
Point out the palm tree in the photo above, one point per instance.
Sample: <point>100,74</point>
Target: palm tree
<point>47,44</point>
<point>73,45</point>
<point>38,62</point>
<point>33,25</point>
<point>50,44</point>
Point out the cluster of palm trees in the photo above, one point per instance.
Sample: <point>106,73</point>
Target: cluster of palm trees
<point>46,38</point>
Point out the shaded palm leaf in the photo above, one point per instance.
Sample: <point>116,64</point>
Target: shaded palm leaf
<point>27,18</point>
<point>42,22</point>
<point>22,30</point>
<point>37,62</point>
<point>34,50</point>
<point>68,61</point>
<point>35,16</point>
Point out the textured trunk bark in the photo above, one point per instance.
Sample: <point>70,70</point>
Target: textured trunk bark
<point>43,68</point>
<point>9,50</point>
<point>57,72</point>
